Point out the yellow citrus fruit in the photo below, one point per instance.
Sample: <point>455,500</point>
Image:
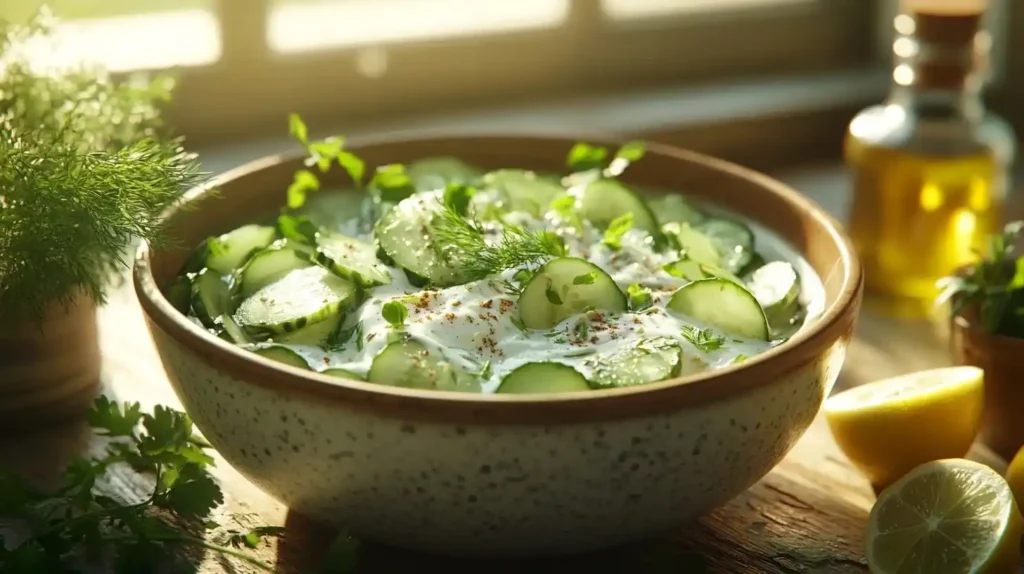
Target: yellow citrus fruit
<point>1015,477</point>
<point>888,427</point>
<point>949,516</point>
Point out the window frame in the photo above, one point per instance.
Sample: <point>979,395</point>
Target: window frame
<point>251,89</point>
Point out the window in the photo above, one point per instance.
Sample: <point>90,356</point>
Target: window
<point>245,63</point>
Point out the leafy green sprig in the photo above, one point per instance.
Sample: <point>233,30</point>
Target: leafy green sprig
<point>78,525</point>
<point>461,240</point>
<point>993,286</point>
<point>85,169</point>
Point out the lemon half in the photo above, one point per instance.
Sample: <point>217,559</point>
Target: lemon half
<point>888,427</point>
<point>950,517</point>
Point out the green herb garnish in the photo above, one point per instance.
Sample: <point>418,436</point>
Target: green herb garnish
<point>462,242</point>
<point>588,157</point>
<point>76,522</point>
<point>616,229</point>
<point>297,228</point>
<point>485,370</point>
<point>639,298</point>
<point>704,339</point>
<point>585,279</point>
<point>321,154</point>
<point>86,168</point>
<point>392,183</point>
<point>993,287</point>
<point>395,313</point>
<point>582,330</point>
<point>552,296</point>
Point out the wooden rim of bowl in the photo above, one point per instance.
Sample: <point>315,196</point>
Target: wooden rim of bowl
<point>778,207</point>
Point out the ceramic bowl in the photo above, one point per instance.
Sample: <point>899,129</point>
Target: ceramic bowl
<point>1002,359</point>
<point>512,475</point>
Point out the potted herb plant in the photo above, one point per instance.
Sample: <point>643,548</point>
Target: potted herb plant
<point>86,168</point>
<point>987,330</point>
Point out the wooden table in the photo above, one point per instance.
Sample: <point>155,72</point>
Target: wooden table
<point>806,516</point>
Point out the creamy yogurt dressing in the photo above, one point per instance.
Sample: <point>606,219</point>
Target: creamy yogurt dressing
<point>475,324</point>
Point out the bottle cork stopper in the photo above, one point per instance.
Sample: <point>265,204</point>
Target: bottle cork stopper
<point>946,22</point>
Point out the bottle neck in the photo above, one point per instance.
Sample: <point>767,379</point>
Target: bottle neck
<point>938,75</point>
<point>965,103</point>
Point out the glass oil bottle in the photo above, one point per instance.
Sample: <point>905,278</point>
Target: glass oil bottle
<point>930,166</point>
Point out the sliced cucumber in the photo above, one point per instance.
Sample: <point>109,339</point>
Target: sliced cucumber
<point>404,235</point>
<point>674,208</point>
<point>777,288</point>
<point>342,374</point>
<point>179,293</point>
<point>408,363</point>
<point>523,190</point>
<point>268,266</point>
<point>312,335</point>
<point>350,258</point>
<point>234,332</point>
<point>649,361</point>
<point>733,240</point>
<point>433,173</point>
<point>538,378</point>
<point>302,297</point>
<point>694,244</point>
<point>604,200</point>
<point>282,355</point>
<point>231,250</point>
<point>565,287</point>
<point>211,297</point>
<point>724,304</point>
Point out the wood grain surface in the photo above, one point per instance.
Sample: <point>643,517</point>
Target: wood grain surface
<point>807,516</point>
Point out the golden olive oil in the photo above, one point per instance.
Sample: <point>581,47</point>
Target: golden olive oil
<point>915,218</point>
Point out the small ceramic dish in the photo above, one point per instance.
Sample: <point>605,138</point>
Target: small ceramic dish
<point>467,474</point>
<point>1002,359</point>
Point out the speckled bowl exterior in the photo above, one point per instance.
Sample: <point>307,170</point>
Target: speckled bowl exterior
<point>506,475</point>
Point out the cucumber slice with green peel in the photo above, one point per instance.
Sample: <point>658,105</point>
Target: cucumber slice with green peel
<point>777,288</point>
<point>211,297</point>
<point>268,266</point>
<point>724,304</point>
<point>404,234</point>
<point>433,173</point>
<point>649,361</point>
<point>234,331</point>
<point>179,294</point>
<point>693,243</point>
<point>312,335</point>
<point>302,297</point>
<point>671,208</point>
<point>733,240</point>
<point>537,378</point>
<point>351,259</point>
<point>282,355</point>
<point>342,374</point>
<point>604,200</point>
<point>231,250</point>
<point>408,363</point>
<point>564,287</point>
<point>523,190</point>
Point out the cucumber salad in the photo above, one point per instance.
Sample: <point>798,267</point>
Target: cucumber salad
<point>441,275</point>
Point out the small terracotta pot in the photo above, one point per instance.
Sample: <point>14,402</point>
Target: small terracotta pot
<point>1002,359</point>
<point>49,369</point>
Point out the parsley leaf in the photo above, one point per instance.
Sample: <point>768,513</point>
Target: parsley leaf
<point>297,228</point>
<point>395,313</point>
<point>392,183</point>
<point>639,298</point>
<point>584,156</point>
<point>111,419</point>
<point>616,229</point>
<point>585,279</point>
<point>303,182</point>
<point>704,339</point>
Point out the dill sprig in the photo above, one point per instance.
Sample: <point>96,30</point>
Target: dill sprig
<point>85,169</point>
<point>462,242</point>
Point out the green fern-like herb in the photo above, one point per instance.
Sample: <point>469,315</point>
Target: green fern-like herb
<point>85,169</point>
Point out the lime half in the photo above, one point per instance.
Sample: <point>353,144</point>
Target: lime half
<point>951,516</point>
